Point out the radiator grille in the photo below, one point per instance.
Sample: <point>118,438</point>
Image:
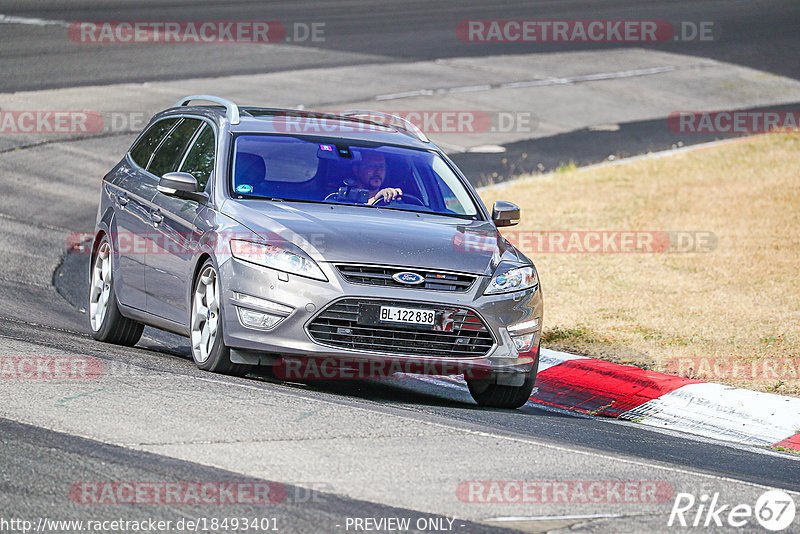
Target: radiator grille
<point>373,275</point>
<point>459,332</point>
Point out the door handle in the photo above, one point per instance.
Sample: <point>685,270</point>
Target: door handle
<point>156,216</point>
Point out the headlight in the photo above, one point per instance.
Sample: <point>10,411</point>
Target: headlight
<point>277,258</point>
<point>513,280</point>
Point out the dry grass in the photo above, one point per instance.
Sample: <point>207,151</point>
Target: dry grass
<point>730,315</point>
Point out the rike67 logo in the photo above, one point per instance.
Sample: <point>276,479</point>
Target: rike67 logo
<point>774,510</point>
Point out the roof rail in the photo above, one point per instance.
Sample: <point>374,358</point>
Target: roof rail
<point>393,120</point>
<point>231,109</point>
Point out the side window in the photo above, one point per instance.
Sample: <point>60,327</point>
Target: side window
<point>170,153</point>
<point>199,161</point>
<point>146,144</point>
<point>456,197</point>
<point>450,200</point>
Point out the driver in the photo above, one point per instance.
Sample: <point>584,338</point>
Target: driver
<point>370,173</point>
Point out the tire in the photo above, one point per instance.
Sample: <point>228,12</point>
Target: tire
<point>205,325</point>
<point>490,394</point>
<point>105,320</point>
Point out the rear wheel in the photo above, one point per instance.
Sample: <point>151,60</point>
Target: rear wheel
<point>487,392</point>
<point>208,350</point>
<point>105,319</point>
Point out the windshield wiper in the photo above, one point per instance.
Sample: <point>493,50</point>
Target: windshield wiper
<point>280,199</point>
<point>260,197</point>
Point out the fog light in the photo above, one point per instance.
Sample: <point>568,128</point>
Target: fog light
<point>267,314</point>
<point>255,319</point>
<point>524,343</point>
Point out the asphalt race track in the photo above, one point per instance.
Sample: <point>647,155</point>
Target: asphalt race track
<point>337,451</point>
<point>756,34</point>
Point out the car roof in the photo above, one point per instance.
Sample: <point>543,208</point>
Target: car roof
<point>370,126</point>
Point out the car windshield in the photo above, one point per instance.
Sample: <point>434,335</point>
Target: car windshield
<point>301,169</point>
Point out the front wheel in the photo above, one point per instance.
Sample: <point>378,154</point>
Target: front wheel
<point>208,350</point>
<point>105,319</point>
<point>487,392</point>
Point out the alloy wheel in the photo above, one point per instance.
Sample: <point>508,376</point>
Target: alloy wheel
<point>100,293</point>
<point>205,314</point>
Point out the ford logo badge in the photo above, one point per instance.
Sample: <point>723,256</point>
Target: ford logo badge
<point>408,278</point>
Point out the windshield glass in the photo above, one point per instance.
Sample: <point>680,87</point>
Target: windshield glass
<point>294,168</point>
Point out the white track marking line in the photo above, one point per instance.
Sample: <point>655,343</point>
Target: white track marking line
<point>650,71</point>
<point>551,517</point>
<point>30,21</point>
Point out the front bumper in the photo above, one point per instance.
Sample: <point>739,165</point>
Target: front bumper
<point>305,299</point>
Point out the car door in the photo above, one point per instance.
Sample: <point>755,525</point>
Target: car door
<point>131,191</point>
<point>190,148</point>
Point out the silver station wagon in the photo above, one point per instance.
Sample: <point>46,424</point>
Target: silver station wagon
<point>334,245</point>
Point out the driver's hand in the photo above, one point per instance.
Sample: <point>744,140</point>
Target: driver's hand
<point>387,194</point>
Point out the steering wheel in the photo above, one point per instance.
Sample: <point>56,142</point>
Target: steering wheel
<point>402,198</point>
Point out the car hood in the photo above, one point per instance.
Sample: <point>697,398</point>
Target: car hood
<point>358,234</point>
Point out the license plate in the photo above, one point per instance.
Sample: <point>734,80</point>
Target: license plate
<point>391,314</point>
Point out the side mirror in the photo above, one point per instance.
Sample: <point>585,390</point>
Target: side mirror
<point>181,185</point>
<point>505,213</point>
